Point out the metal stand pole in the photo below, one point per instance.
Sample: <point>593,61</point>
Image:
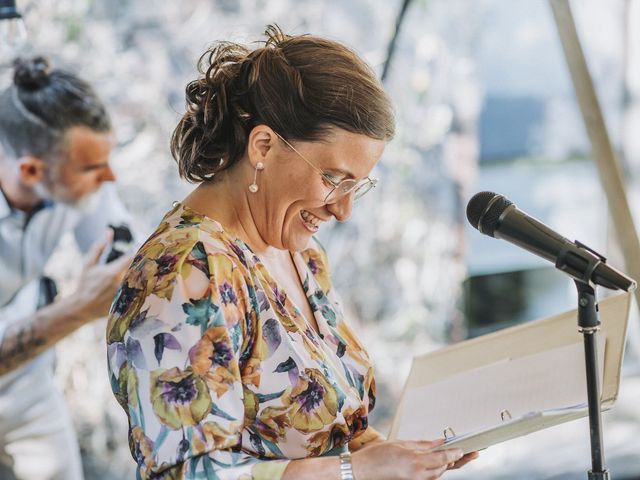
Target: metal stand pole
<point>588,325</point>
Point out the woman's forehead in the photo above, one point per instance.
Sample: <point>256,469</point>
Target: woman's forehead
<point>347,153</point>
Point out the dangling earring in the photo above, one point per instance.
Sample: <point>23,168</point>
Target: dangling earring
<point>253,188</point>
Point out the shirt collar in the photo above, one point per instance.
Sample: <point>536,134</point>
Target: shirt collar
<point>6,210</point>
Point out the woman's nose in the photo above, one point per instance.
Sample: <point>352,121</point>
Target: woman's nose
<point>341,208</point>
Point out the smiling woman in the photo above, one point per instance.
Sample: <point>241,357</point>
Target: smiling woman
<point>228,348</point>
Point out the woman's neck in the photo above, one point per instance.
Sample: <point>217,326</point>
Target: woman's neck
<point>222,200</point>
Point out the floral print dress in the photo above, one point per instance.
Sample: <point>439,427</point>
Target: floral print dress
<point>218,371</point>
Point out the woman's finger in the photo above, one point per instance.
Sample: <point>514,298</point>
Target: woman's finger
<point>464,460</point>
<point>424,444</point>
<point>442,458</point>
<point>434,473</point>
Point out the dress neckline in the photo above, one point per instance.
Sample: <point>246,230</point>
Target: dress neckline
<point>300,266</point>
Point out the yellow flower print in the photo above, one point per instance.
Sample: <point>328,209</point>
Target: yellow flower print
<point>151,250</point>
<point>162,261</point>
<point>317,263</point>
<point>189,218</point>
<point>141,271</point>
<point>357,420</point>
<point>127,393</point>
<point>131,380</point>
<point>356,349</point>
<point>277,299</point>
<point>321,442</point>
<point>173,473</point>
<point>314,402</point>
<point>142,447</point>
<point>126,307</point>
<point>168,266</point>
<point>251,406</point>
<point>162,228</point>
<point>214,436</point>
<point>273,422</point>
<point>212,359</point>
<point>228,288</point>
<point>179,398</point>
<point>252,366</point>
<point>355,423</point>
<point>252,371</point>
<point>181,237</point>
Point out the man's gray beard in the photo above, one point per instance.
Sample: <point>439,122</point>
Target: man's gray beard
<point>87,204</point>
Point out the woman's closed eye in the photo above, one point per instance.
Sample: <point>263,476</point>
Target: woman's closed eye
<point>332,180</point>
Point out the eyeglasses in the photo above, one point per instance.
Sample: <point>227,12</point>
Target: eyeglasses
<point>343,187</point>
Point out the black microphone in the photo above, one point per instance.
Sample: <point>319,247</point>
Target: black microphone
<point>496,216</point>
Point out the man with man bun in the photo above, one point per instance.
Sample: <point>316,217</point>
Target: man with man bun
<point>55,142</point>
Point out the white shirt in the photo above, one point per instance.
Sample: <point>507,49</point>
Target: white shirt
<point>27,242</point>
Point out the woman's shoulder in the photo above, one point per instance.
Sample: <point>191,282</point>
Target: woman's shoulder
<point>185,232</point>
<point>177,263</point>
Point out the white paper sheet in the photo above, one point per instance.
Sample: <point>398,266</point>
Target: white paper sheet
<point>473,401</point>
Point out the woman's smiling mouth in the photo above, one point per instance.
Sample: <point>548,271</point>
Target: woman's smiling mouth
<point>310,221</point>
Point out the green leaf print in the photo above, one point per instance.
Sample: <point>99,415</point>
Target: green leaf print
<point>199,312</point>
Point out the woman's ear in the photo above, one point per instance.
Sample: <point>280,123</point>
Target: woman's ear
<point>259,143</point>
<point>32,170</point>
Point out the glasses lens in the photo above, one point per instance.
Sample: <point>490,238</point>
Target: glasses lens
<point>363,188</point>
<point>345,187</point>
<point>342,189</point>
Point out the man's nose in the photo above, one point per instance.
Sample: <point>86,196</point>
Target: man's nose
<point>107,175</point>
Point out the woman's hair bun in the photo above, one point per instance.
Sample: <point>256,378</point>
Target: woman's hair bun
<point>31,74</point>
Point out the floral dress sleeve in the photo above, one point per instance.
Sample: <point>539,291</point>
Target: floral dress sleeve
<point>181,343</point>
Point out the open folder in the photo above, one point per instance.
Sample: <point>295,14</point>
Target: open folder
<point>510,383</point>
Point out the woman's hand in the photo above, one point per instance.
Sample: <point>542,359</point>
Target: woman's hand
<point>463,461</point>
<point>406,460</point>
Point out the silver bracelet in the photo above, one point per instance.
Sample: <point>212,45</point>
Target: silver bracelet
<point>346,468</point>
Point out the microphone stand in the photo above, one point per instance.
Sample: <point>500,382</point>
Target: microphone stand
<point>588,325</point>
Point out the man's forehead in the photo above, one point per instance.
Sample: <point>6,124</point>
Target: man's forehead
<point>86,146</point>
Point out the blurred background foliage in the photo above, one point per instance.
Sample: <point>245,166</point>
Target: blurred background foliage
<point>483,101</point>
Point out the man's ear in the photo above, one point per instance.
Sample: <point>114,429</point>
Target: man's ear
<point>259,143</point>
<point>32,170</point>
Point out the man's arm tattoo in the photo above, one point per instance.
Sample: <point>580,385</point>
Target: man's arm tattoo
<point>26,344</point>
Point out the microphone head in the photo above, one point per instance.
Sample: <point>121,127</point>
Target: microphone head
<point>484,210</point>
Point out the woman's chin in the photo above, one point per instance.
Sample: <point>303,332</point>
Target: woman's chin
<point>298,243</point>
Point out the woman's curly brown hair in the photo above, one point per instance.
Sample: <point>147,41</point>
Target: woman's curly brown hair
<point>300,86</point>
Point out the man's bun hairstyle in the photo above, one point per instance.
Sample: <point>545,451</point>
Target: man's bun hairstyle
<point>31,75</point>
<point>42,104</point>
